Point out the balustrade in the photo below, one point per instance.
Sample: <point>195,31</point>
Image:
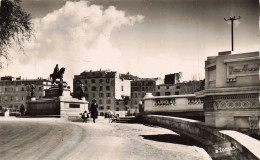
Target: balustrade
<point>172,103</point>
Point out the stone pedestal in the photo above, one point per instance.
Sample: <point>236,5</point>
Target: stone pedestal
<point>55,92</point>
<point>231,95</point>
<point>54,105</point>
<point>230,108</point>
<point>7,113</point>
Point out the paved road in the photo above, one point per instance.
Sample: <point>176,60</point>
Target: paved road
<point>52,139</point>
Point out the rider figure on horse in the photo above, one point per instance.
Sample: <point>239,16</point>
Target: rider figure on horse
<point>56,70</point>
<point>57,74</point>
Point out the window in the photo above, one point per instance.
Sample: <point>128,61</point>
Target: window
<point>5,89</point>
<point>122,88</point>
<point>100,80</point>
<point>108,107</point>
<point>100,101</point>
<point>117,108</point>
<point>158,94</point>
<point>40,88</point>
<point>22,98</point>
<point>108,101</point>
<point>108,95</point>
<point>125,102</point>
<point>142,88</point>
<point>101,94</point>
<point>126,108</point>
<point>167,93</point>
<point>101,88</point>
<point>11,98</point>
<point>167,87</point>
<point>177,87</point>
<point>158,87</point>
<point>86,88</point>
<point>108,88</point>
<point>177,93</point>
<point>94,95</point>
<point>117,102</point>
<point>93,88</point>
<point>101,107</point>
<point>107,80</point>
<point>22,89</point>
<point>86,81</point>
<point>93,81</point>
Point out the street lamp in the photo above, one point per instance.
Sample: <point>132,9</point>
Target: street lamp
<point>141,108</point>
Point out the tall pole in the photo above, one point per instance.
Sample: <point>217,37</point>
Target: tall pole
<point>232,19</point>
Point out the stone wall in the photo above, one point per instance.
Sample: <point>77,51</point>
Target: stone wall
<point>209,137</point>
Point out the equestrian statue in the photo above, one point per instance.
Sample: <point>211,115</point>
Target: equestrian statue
<point>57,74</point>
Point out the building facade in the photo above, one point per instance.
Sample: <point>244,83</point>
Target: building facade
<point>167,89</point>
<point>107,87</point>
<point>15,92</point>
<point>172,78</point>
<point>139,87</point>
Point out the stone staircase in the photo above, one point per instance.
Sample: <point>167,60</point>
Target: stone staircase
<point>128,119</point>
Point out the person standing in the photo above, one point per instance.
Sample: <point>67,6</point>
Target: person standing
<point>94,110</point>
<point>22,109</point>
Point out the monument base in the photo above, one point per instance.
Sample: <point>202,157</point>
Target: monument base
<point>53,105</point>
<point>232,108</point>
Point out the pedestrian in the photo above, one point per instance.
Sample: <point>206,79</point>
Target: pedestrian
<point>84,116</point>
<point>22,109</point>
<point>94,110</point>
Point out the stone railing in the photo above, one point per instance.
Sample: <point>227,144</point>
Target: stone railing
<point>217,144</point>
<point>172,103</point>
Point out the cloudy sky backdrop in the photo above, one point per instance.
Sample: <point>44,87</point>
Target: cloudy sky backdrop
<point>148,38</point>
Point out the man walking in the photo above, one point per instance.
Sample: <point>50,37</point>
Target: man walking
<point>94,110</point>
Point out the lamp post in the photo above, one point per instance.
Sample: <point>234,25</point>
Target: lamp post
<point>141,106</point>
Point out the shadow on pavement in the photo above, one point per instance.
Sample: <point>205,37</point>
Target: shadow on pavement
<point>171,138</point>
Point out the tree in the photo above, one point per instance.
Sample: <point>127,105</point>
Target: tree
<point>15,27</point>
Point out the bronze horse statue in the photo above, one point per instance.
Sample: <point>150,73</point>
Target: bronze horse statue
<point>58,75</point>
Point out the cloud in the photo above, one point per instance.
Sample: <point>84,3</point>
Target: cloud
<point>77,36</point>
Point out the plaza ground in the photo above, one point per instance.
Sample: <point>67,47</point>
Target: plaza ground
<point>53,138</point>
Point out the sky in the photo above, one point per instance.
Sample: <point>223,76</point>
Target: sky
<point>148,38</point>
